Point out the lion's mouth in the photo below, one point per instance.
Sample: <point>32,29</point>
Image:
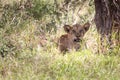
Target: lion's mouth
<point>77,40</point>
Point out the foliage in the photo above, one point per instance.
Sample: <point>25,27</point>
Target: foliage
<point>25,24</point>
<point>40,9</point>
<point>74,66</point>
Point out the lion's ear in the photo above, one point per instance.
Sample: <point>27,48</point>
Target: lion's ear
<point>86,26</point>
<point>67,28</point>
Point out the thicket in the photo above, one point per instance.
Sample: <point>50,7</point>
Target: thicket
<point>21,21</point>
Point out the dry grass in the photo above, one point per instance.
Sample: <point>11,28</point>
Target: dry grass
<point>34,55</point>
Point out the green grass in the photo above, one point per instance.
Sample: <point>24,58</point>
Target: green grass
<point>25,61</point>
<point>82,65</point>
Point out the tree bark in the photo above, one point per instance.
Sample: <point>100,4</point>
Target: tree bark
<point>106,17</point>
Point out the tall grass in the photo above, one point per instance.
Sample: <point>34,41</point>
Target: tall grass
<point>24,57</point>
<point>73,66</point>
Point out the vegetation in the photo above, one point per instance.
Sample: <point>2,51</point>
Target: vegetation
<point>28,34</point>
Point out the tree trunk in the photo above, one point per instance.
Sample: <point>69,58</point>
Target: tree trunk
<point>106,17</point>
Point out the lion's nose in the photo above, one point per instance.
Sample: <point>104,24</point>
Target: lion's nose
<point>77,35</point>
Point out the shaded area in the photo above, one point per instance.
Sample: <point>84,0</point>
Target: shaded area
<point>107,19</point>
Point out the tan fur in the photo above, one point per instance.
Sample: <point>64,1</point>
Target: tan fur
<point>74,35</point>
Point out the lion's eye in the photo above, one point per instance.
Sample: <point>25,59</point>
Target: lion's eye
<point>73,31</point>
